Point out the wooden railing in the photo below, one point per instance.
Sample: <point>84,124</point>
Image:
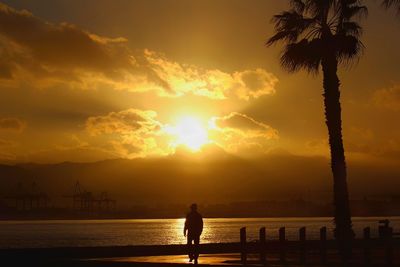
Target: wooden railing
<point>303,250</point>
<point>364,248</point>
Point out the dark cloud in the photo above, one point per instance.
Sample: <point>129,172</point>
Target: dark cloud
<point>6,143</point>
<point>6,69</point>
<point>61,45</point>
<point>43,53</point>
<point>12,124</point>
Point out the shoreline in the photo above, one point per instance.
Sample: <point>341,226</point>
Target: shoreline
<point>96,218</point>
<point>222,254</point>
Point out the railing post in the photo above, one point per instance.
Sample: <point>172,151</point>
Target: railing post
<point>303,249</point>
<point>282,245</point>
<point>322,237</point>
<point>367,251</point>
<point>389,246</point>
<point>243,251</point>
<point>263,259</point>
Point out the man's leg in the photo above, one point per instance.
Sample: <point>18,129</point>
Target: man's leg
<point>190,248</point>
<point>196,248</point>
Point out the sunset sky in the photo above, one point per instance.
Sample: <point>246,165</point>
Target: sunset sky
<point>92,80</point>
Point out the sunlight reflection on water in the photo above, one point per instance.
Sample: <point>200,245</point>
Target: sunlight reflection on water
<point>61,233</point>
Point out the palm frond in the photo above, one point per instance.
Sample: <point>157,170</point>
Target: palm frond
<point>350,11</point>
<point>298,5</point>
<point>282,36</point>
<point>304,54</point>
<point>392,4</point>
<point>313,29</point>
<point>319,8</point>
<point>349,48</point>
<point>289,25</point>
<point>351,28</point>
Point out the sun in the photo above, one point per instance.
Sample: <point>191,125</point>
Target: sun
<point>190,132</point>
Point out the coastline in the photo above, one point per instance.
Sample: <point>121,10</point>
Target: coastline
<point>101,217</point>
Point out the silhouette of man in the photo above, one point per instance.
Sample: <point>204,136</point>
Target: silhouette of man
<point>192,230</point>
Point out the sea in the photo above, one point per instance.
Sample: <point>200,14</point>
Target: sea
<point>86,233</point>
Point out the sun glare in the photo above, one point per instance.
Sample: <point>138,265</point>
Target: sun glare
<point>190,132</point>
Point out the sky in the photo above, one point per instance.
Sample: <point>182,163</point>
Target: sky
<point>91,80</point>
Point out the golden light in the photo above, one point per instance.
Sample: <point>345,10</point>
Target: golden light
<point>190,132</point>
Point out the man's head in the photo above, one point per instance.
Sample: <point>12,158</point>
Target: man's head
<point>193,207</point>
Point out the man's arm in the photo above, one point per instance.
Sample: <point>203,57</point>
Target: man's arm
<point>185,228</point>
<point>201,225</point>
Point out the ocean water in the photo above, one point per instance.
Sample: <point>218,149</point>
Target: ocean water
<point>65,233</point>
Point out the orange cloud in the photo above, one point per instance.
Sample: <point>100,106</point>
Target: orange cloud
<point>244,123</point>
<point>255,83</point>
<point>44,54</point>
<point>126,121</point>
<point>388,98</point>
<point>238,132</point>
<point>180,79</point>
<point>132,132</point>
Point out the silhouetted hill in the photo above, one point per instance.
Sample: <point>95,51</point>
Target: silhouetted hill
<point>185,177</point>
<point>10,176</point>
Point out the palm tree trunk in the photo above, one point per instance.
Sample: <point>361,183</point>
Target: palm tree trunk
<point>331,83</point>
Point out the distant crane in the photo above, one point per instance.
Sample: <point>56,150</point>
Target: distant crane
<point>85,201</point>
<point>30,198</point>
<point>106,203</point>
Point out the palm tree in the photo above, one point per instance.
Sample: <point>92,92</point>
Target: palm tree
<point>325,33</point>
<point>392,3</point>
